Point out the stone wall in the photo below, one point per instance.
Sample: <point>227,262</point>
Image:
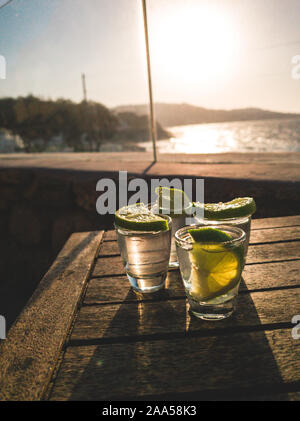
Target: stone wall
<point>38,212</point>
<point>40,208</point>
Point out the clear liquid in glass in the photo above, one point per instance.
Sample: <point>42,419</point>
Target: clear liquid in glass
<point>220,305</point>
<point>145,257</point>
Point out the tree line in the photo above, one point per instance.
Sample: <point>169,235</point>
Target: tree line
<point>83,126</point>
<point>37,121</point>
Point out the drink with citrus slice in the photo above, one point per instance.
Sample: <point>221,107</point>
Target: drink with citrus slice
<point>211,260</point>
<point>238,213</point>
<point>144,240</point>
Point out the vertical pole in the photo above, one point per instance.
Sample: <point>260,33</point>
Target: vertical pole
<point>152,119</point>
<point>83,87</point>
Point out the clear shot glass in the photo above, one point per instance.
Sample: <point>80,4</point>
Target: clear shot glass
<point>145,256</point>
<point>178,221</point>
<point>211,272</point>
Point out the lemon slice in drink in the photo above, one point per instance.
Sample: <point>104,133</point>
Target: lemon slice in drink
<point>139,218</point>
<point>239,207</point>
<point>216,267</point>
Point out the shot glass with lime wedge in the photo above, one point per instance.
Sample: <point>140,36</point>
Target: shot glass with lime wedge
<point>144,240</point>
<point>211,260</point>
<point>176,204</point>
<point>238,212</point>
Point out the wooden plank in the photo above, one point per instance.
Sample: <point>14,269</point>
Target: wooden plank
<point>256,277</point>
<point>256,254</point>
<point>274,234</point>
<point>287,228</point>
<point>29,354</point>
<point>163,317</point>
<point>271,275</point>
<point>108,266</point>
<point>111,248</point>
<point>110,235</point>
<point>282,221</point>
<point>118,289</point>
<point>200,368</point>
<point>273,252</point>
<point>265,233</point>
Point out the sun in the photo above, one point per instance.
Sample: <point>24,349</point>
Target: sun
<point>194,44</point>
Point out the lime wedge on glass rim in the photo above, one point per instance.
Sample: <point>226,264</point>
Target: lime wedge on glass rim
<point>139,218</point>
<point>236,208</point>
<point>174,200</point>
<point>216,267</point>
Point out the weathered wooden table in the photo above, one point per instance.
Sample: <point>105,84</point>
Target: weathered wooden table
<point>85,335</point>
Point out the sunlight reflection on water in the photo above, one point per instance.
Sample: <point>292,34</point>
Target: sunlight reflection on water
<point>282,135</point>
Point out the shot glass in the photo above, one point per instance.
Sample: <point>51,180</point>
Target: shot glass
<point>211,272</point>
<point>145,256</point>
<point>178,221</point>
<point>243,222</point>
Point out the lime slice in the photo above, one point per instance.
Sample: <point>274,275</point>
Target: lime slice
<point>239,207</point>
<point>209,235</point>
<point>139,218</point>
<point>172,199</point>
<point>216,267</point>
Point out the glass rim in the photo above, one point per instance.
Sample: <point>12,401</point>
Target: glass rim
<point>153,204</point>
<point>233,241</point>
<point>130,231</point>
<point>235,218</point>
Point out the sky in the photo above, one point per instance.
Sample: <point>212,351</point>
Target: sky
<point>220,54</point>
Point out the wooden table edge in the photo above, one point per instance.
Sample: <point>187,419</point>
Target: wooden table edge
<point>29,354</point>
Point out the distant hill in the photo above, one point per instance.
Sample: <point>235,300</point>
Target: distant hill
<point>169,115</point>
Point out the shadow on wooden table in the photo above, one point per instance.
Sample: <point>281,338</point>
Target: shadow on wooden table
<point>170,355</point>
